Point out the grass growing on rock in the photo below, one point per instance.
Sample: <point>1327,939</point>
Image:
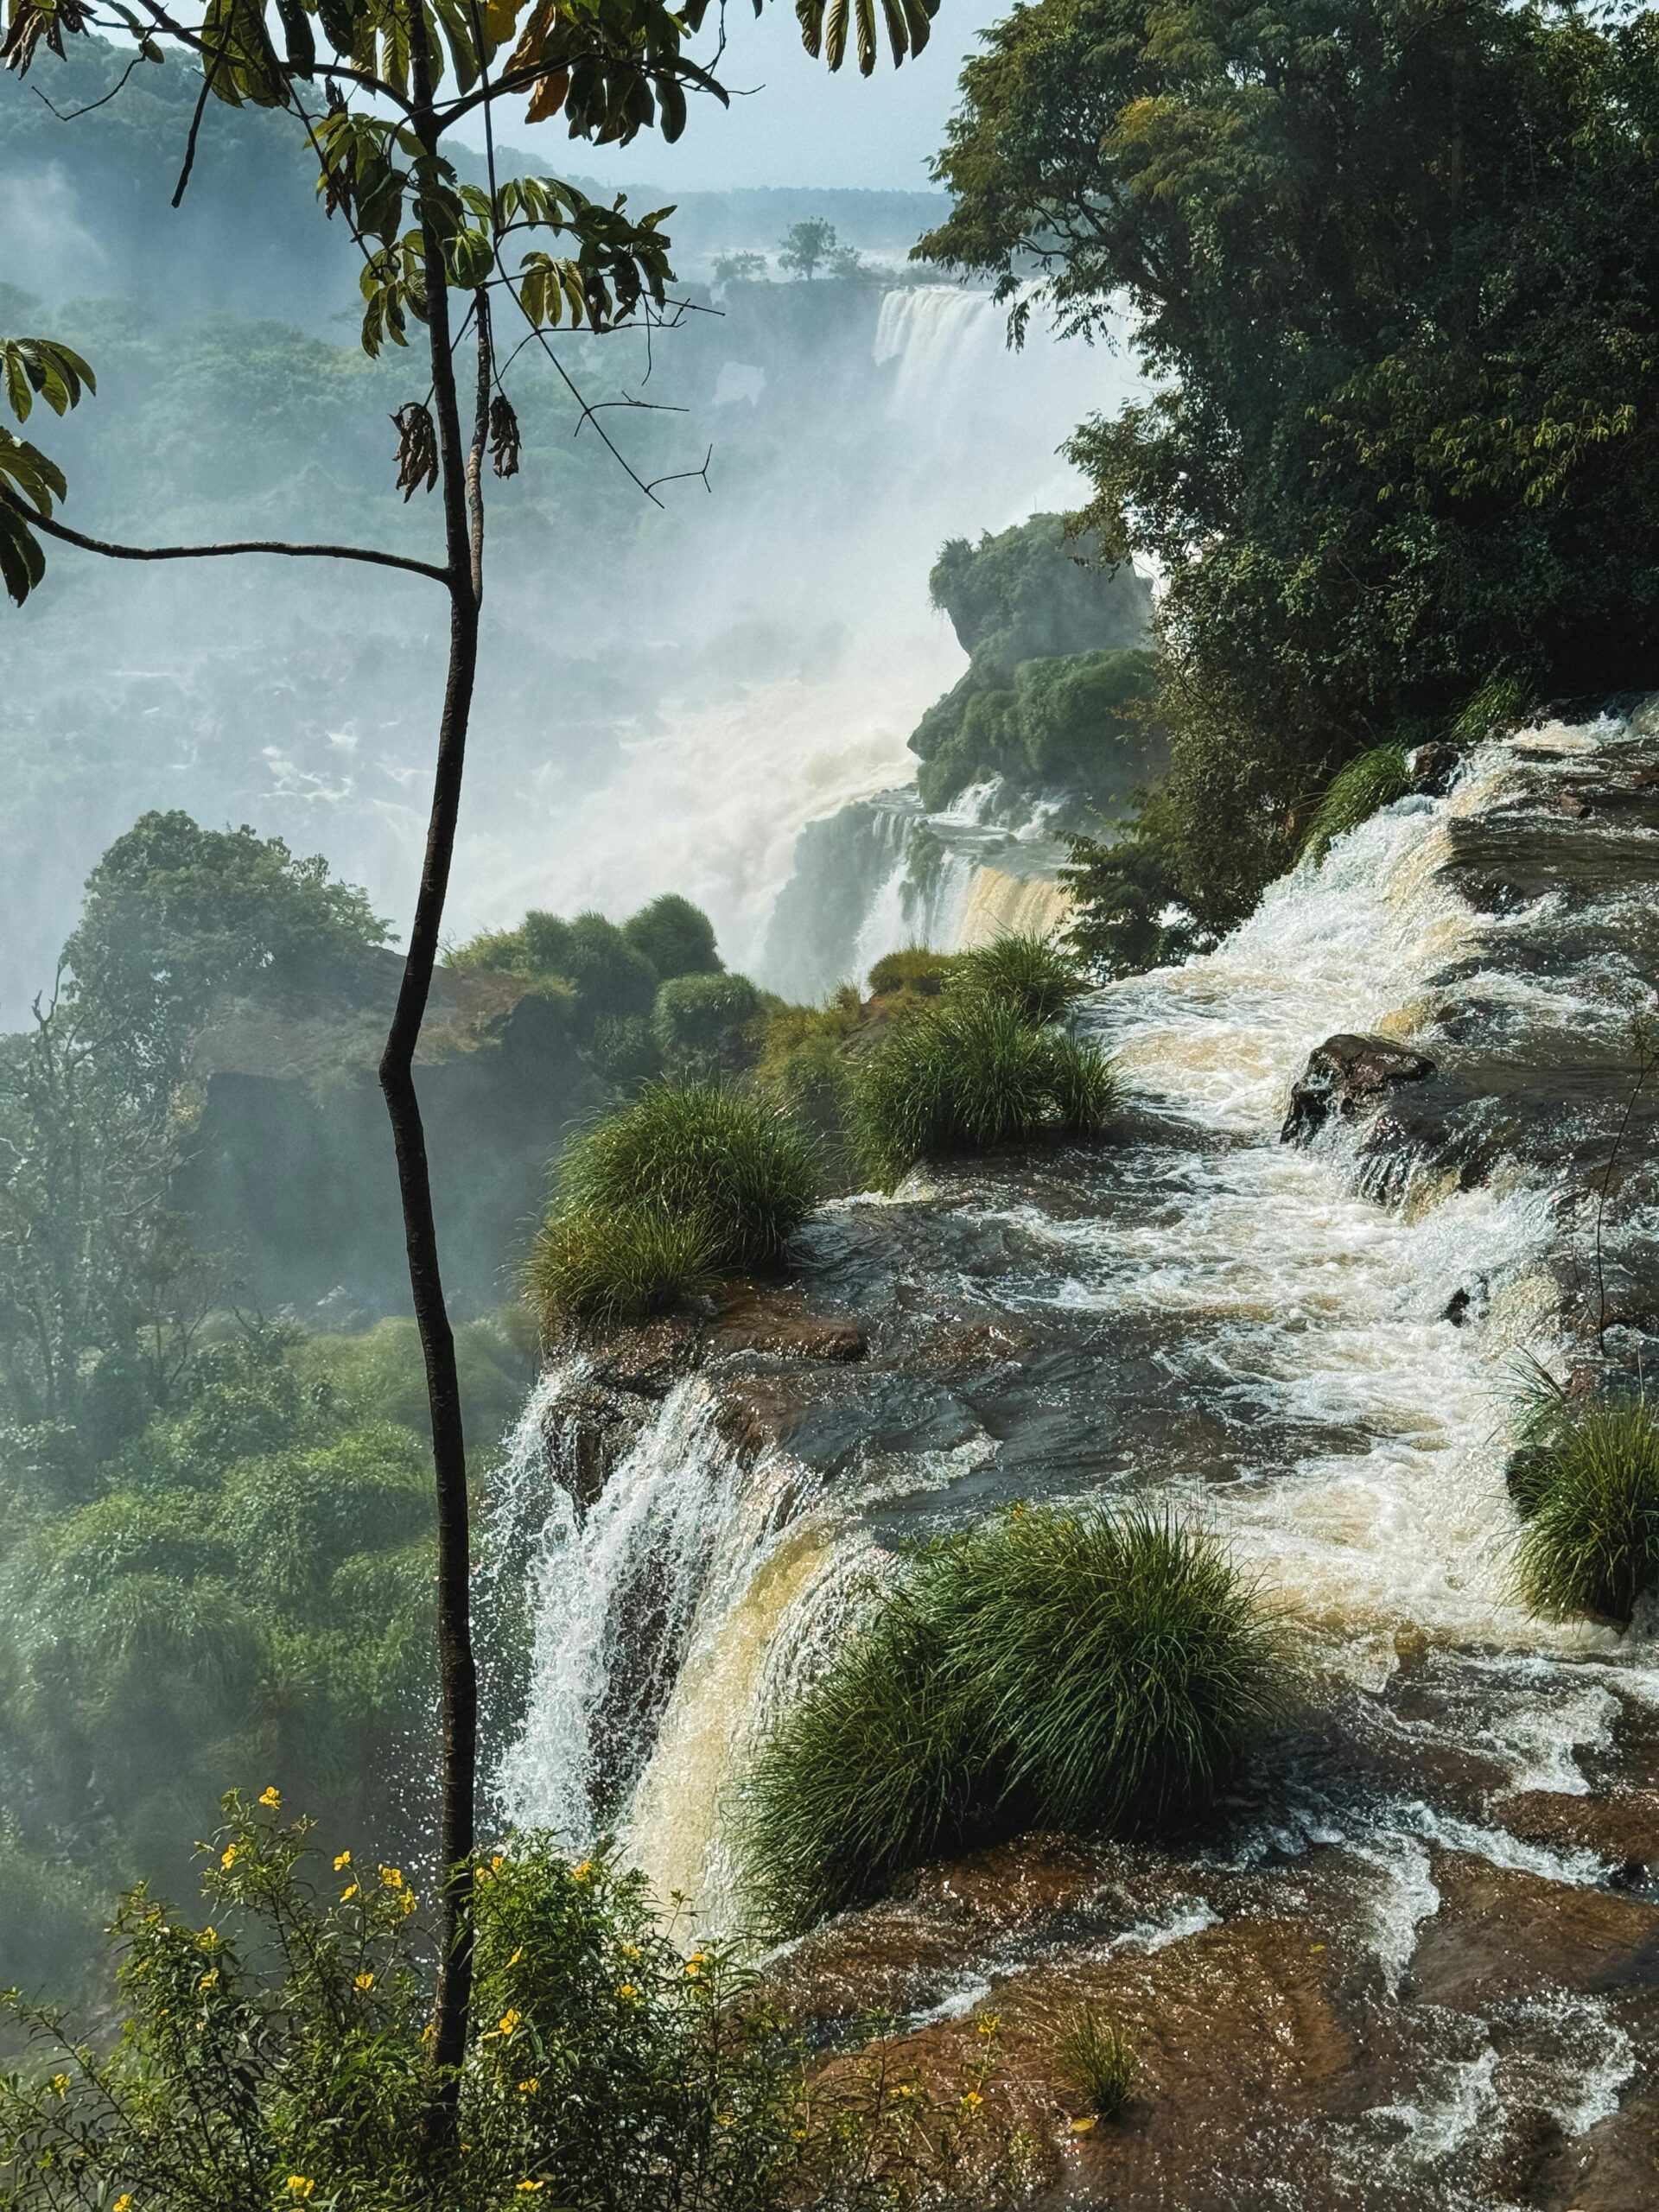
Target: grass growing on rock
<point>1034,975</point>
<point>1589,1501</point>
<point>1376,780</point>
<point>687,1182</point>
<point>1098,2060</point>
<point>620,1267</point>
<point>1091,1671</point>
<point>970,1074</point>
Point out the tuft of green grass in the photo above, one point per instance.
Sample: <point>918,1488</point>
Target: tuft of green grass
<point>693,1152</point>
<point>1376,780</point>
<point>968,1075</point>
<point>617,1267</point>
<point>868,1773</point>
<point>917,968</point>
<point>1589,1505</point>
<point>1090,1670</point>
<point>1097,2059</point>
<point>1037,976</point>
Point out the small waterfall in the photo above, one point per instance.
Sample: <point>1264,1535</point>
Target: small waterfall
<point>615,1594</point>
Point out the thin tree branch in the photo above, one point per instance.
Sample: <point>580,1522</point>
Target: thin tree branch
<point>207,77</point>
<point>75,113</point>
<point>113,552</point>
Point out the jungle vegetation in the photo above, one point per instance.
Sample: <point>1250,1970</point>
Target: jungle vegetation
<point>1377,257</point>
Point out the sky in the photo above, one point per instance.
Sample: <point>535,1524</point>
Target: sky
<point>797,125</point>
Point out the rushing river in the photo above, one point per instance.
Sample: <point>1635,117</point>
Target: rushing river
<point>1202,1312</point>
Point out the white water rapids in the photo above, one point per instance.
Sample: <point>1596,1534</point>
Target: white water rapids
<point>1277,1295</point>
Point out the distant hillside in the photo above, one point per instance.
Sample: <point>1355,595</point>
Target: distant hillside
<point>87,201</point>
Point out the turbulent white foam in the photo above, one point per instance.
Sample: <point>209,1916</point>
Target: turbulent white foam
<point>663,1534</point>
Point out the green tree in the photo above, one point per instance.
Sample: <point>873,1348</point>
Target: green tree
<point>1379,259</point>
<point>804,247</point>
<point>375,88</point>
<point>177,916</point>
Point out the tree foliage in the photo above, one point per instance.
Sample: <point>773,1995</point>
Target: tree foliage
<point>1057,685</point>
<point>1379,259</point>
<point>176,916</point>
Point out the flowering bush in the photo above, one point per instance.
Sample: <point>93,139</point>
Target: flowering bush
<point>277,2056</point>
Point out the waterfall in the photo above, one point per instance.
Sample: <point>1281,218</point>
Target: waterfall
<point>615,1595</point>
<point>1238,1331</point>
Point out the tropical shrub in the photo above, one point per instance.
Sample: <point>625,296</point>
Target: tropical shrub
<point>618,1266</point>
<point>676,936</point>
<point>1375,780</point>
<point>1589,1500</point>
<point>1088,1671</point>
<point>1034,975</point>
<point>703,1025</point>
<point>277,2056</point>
<point>917,968</point>
<point>967,1076</point>
<point>688,1181</point>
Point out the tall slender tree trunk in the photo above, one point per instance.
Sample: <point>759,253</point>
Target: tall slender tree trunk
<point>458,1672</point>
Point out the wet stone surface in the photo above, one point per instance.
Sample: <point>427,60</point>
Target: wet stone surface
<point>1415,1961</point>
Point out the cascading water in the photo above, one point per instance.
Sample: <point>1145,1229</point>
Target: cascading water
<point>1202,1314</point>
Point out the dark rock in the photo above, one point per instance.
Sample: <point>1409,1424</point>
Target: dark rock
<point>1348,1077</point>
<point>1432,768</point>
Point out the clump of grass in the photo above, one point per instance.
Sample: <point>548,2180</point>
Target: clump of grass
<point>1590,1506</point>
<point>917,968</point>
<point>967,1076</point>
<point>1036,976</point>
<point>1376,780</point>
<point>1098,2060</point>
<point>694,1151</point>
<point>1090,1671</point>
<point>654,1201</point>
<point>619,1267</point>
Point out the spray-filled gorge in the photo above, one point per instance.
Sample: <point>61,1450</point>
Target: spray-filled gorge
<point>1234,1325</point>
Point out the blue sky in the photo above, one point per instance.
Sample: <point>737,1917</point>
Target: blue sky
<point>802,126</point>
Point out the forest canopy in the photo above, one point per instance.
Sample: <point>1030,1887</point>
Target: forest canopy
<point>1380,260</point>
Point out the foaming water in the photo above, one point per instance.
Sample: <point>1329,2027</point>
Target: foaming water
<point>1364,1410</point>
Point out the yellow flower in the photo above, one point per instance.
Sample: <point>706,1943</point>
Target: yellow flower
<point>272,1797</point>
<point>532,2184</point>
<point>497,1863</point>
<point>695,1964</point>
<point>990,2024</point>
<point>508,2023</point>
<point>971,2100</point>
<point>208,1979</point>
<point>364,1981</point>
<point>725,2120</point>
<point>392,1877</point>
<point>629,1950</point>
<point>343,1859</point>
<point>516,1955</point>
<point>123,2202</point>
<point>299,2186</point>
<point>228,1856</point>
<point>348,1893</point>
<point>582,1872</point>
<point>61,2083</point>
<point>627,1993</point>
<point>529,2088</point>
